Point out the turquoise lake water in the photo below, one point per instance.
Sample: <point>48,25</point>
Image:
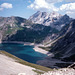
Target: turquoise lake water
<point>26,53</point>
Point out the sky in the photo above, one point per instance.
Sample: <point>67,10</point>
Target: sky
<point>26,8</point>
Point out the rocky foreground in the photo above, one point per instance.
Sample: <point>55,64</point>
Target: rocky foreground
<point>64,71</point>
<point>8,66</point>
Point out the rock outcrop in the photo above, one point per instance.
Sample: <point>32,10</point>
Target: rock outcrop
<point>53,19</point>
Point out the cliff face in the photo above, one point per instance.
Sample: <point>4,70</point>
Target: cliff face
<point>64,48</point>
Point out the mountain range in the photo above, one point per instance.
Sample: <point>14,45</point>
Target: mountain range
<point>63,48</point>
<point>56,30</point>
<point>20,29</point>
<point>53,19</point>
<point>32,29</point>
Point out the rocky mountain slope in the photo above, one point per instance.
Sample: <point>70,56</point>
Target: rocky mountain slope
<point>12,24</point>
<point>19,29</point>
<point>64,71</point>
<point>53,19</point>
<point>63,42</point>
<point>64,48</point>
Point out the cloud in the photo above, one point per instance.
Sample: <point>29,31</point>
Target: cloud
<point>43,4</point>
<point>49,5</point>
<point>53,1</point>
<point>71,14</point>
<point>67,7</point>
<point>69,0</point>
<point>6,5</point>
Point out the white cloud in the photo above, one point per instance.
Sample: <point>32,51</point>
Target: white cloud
<point>70,12</point>
<point>69,0</point>
<point>6,5</point>
<point>53,1</point>
<point>49,5</point>
<point>67,7</point>
<point>43,4</point>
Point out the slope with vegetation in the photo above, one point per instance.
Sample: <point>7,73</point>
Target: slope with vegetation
<point>20,29</point>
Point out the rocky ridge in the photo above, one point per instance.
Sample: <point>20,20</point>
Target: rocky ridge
<point>52,19</point>
<point>20,29</point>
<point>63,49</point>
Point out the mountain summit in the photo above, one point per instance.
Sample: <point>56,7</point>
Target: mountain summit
<point>52,19</point>
<point>44,17</point>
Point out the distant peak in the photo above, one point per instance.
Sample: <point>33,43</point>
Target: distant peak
<point>38,11</point>
<point>41,12</point>
<point>12,16</point>
<point>65,15</point>
<point>51,13</point>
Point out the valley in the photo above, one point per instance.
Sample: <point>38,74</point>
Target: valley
<point>46,39</point>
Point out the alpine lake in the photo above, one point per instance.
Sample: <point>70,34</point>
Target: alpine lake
<point>22,51</point>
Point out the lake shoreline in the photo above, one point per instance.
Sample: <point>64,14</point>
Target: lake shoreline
<point>36,46</point>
